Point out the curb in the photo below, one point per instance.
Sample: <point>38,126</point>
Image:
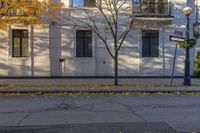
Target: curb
<point>103,92</point>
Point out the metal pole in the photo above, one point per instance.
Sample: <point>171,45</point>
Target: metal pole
<point>174,63</point>
<point>187,79</point>
<point>197,10</point>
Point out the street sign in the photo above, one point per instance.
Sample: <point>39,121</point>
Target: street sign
<point>179,33</point>
<point>176,39</point>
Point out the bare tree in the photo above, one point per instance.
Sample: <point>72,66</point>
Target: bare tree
<point>115,18</point>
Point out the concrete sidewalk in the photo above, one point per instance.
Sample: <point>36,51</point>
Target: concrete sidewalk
<point>94,85</point>
<point>97,81</point>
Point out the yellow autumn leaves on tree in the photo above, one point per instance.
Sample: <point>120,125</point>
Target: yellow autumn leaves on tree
<point>27,12</point>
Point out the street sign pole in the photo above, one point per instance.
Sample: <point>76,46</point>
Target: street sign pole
<point>174,63</point>
<point>175,39</point>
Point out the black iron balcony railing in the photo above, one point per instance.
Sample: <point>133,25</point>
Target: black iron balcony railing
<point>155,10</point>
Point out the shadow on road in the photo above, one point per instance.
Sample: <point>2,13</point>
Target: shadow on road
<point>143,127</point>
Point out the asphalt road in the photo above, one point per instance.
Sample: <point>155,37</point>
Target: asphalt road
<point>100,114</point>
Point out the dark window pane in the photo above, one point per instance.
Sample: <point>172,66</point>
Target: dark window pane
<point>20,43</point>
<point>80,34</point>
<point>88,47</point>
<point>154,47</point>
<point>88,44</point>
<point>145,47</point>
<point>89,3</point>
<point>24,46</point>
<point>136,1</point>
<point>152,8</point>
<point>84,44</point>
<point>24,33</point>
<point>16,46</point>
<point>88,34</point>
<point>150,43</point>
<point>16,33</point>
<point>84,3</point>
<point>153,34</point>
<point>79,47</point>
<point>157,7</point>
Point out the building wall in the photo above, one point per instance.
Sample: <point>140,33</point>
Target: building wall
<point>36,64</point>
<point>131,62</point>
<point>41,51</point>
<point>54,51</point>
<point>4,51</point>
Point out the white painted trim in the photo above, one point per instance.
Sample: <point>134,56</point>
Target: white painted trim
<point>159,44</point>
<point>10,41</point>
<point>93,46</point>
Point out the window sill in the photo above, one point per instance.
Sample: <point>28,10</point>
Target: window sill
<point>21,57</point>
<point>81,8</point>
<point>149,57</point>
<point>84,57</point>
<point>154,18</point>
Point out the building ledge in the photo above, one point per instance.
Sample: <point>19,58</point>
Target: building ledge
<point>155,18</point>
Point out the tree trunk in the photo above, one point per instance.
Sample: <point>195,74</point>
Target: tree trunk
<point>32,52</point>
<point>116,68</point>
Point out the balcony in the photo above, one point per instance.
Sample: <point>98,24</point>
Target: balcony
<point>155,11</point>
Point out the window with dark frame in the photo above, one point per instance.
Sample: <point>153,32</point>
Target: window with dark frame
<point>89,3</point>
<point>135,1</point>
<point>83,43</point>
<point>150,43</point>
<point>150,7</point>
<point>84,3</point>
<point>20,43</point>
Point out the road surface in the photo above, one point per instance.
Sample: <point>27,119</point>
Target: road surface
<point>173,112</point>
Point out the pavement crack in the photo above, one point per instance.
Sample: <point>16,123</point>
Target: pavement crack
<point>60,106</point>
<point>65,106</point>
<point>133,112</point>
<point>24,118</point>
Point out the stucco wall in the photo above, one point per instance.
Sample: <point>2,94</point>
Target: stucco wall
<point>15,66</point>
<point>57,42</point>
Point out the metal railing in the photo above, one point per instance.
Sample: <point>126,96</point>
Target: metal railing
<point>19,12</point>
<point>155,9</point>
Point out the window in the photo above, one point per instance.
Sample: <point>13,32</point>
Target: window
<point>150,43</point>
<point>83,43</point>
<point>84,3</point>
<point>19,43</point>
<point>136,1</point>
<point>158,7</point>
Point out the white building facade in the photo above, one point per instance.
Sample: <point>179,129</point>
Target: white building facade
<point>69,51</point>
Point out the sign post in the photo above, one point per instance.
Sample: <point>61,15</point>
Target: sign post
<point>177,40</point>
<point>174,62</point>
